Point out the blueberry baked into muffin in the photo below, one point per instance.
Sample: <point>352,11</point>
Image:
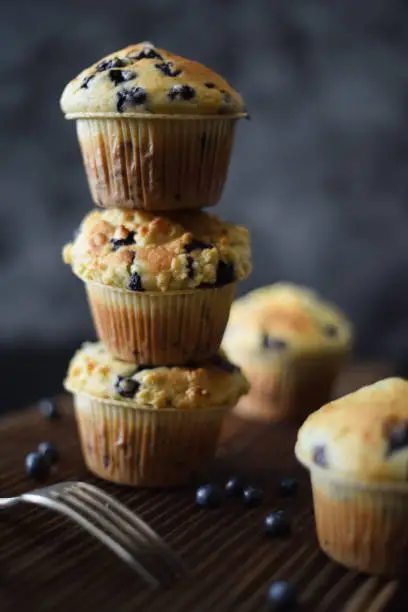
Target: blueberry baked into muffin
<point>150,426</point>
<point>291,345</point>
<point>356,449</point>
<point>156,130</point>
<point>159,287</point>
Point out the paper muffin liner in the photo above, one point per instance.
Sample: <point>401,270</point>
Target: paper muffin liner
<point>146,447</point>
<point>291,388</point>
<point>156,164</point>
<point>160,328</point>
<point>362,526</point>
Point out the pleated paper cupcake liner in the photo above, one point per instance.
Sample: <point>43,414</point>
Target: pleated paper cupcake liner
<point>171,328</point>
<point>156,164</point>
<point>146,447</point>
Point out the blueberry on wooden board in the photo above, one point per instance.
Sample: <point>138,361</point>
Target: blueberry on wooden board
<point>252,496</point>
<point>135,282</point>
<point>37,466</point>
<point>126,387</point>
<point>49,409</point>
<point>181,92</point>
<point>233,487</point>
<point>136,96</point>
<point>49,451</point>
<point>209,496</point>
<point>288,487</point>
<point>117,243</point>
<point>282,595</point>
<point>277,524</point>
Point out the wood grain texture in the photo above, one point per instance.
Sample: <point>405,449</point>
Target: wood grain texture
<point>47,563</point>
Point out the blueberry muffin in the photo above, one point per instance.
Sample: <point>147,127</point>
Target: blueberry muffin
<point>160,288</point>
<point>150,426</point>
<point>156,130</point>
<point>291,345</point>
<point>356,449</point>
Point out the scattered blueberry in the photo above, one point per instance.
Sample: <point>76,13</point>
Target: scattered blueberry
<point>319,455</point>
<point>37,466</point>
<point>282,595</point>
<point>252,496</point>
<point>49,409</point>
<point>233,487</point>
<point>85,82</point>
<point>130,97</point>
<point>181,92</point>
<point>121,76</point>
<point>113,62</point>
<point>168,69</point>
<point>135,282</point>
<point>288,487</point>
<point>210,85</point>
<point>273,343</point>
<point>209,496</point>
<point>126,387</point>
<point>397,435</point>
<point>147,53</point>
<point>49,451</point>
<point>276,524</point>
<point>117,243</point>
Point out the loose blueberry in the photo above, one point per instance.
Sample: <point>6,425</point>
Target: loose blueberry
<point>252,496</point>
<point>181,92</point>
<point>49,451</point>
<point>276,524</point>
<point>135,282</point>
<point>209,496</point>
<point>116,244</point>
<point>85,82</point>
<point>146,53</point>
<point>130,97</point>
<point>168,69</point>
<point>282,595</point>
<point>225,273</point>
<point>121,76</point>
<point>49,409</point>
<point>288,487</point>
<point>113,62</point>
<point>233,487</point>
<point>37,466</point>
<point>126,387</point>
<point>210,85</point>
<point>273,343</point>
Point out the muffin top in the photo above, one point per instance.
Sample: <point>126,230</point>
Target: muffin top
<point>281,319</point>
<point>142,79</point>
<point>216,383</point>
<point>140,251</point>
<point>363,435</point>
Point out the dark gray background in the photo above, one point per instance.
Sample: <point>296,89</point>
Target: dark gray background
<point>319,175</point>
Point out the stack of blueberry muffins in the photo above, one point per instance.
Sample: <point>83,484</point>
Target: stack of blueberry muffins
<point>156,133</point>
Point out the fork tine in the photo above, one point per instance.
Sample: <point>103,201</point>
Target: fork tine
<point>56,502</point>
<point>112,521</point>
<point>132,520</point>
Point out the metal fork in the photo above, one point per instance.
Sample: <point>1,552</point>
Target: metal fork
<point>110,522</point>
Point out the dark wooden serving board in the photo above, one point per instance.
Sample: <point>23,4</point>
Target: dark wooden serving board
<point>47,563</point>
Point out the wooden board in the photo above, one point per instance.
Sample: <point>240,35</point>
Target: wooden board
<point>47,563</point>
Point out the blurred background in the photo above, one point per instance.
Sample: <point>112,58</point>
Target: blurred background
<point>319,176</point>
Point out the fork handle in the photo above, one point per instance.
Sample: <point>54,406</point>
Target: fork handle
<point>8,502</point>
